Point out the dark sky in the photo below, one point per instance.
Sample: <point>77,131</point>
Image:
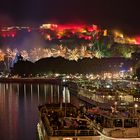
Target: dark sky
<point>117,14</point>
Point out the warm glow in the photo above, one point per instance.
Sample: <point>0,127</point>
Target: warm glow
<point>105,32</point>
<point>118,34</point>
<point>1,55</point>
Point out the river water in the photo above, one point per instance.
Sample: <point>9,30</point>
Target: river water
<point>18,108</point>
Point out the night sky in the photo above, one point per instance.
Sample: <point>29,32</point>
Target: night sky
<point>123,15</point>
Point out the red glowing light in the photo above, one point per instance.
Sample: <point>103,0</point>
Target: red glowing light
<point>95,27</point>
<point>137,40</point>
<point>53,26</point>
<point>48,37</point>
<point>73,32</point>
<point>59,36</point>
<point>90,29</point>
<point>72,28</point>
<point>29,30</point>
<point>88,37</point>
<point>4,35</point>
<point>68,36</point>
<point>12,35</point>
<point>97,37</point>
<point>80,36</point>
<point>8,33</point>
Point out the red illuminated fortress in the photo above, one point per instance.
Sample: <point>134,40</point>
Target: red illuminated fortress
<point>54,31</point>
<point>71,42</point>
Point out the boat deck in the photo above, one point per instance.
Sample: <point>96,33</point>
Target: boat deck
<point>58,121</point>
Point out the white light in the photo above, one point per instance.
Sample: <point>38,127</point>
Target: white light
<point>107,86</point>
<point>67,138</point>
<point>136,105</point>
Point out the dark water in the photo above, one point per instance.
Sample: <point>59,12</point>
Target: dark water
<point>18,108</point>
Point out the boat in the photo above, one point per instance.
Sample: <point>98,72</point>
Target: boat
<point>108,116</point>
<point>64,122</point>
<point>114,115</point>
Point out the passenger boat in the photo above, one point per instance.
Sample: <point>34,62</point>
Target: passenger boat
<point>113,116</point>
<point>109,117</point>
<point>64,122</point>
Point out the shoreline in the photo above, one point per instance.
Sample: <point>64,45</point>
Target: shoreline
<point>31,80</point>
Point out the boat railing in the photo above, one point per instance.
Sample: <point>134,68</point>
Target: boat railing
<point>114,133</point>
<point>77,132</point>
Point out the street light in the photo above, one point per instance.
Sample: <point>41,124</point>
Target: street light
<point>135,107</point>
<point>115,109</point>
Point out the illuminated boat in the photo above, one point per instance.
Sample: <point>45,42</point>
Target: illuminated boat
<point>64,122</point>
<point>115,116</point>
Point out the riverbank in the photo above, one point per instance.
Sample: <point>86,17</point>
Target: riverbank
<point>31,80</point>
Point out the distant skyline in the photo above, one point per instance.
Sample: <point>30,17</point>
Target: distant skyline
<point>123,15</point>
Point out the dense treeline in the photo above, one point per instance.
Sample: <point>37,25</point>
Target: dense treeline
<point>64,66</point>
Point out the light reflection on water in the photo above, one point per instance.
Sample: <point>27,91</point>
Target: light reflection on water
<point>18,108</point>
